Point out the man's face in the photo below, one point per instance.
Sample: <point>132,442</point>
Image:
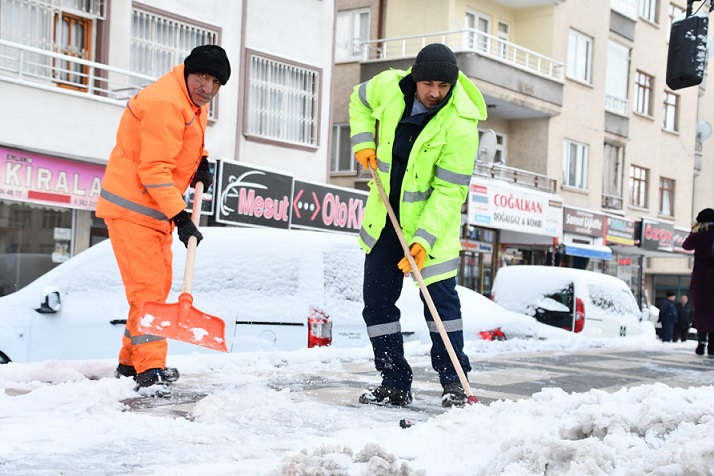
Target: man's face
<point>683,299</point>
<point>431,93</point>
<point>202,88</point>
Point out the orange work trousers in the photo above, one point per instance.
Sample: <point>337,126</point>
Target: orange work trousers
<point>144,257</point>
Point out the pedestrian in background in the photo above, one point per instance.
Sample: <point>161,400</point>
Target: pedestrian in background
<point>684,319</point>
<point>159,152</point>
<point>668,316</point>
<point>427,135</point>
<point>701,288</point>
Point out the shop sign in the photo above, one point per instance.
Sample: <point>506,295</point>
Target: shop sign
<point>502,206</point>
<point>41,179</point>
<point>620,231</point>
<point>656,236</point>
<point>476,246</point>
<point>583,222</point>
<point>251,196</point>
<point>680,234</point>
<point>320,207</point>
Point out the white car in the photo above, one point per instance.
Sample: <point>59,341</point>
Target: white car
<point>263,283</point>
<point>584,302</point>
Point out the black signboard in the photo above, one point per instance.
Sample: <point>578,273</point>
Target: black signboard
<point>656,236</point>
<point>327,208</point>
<point>251,196</point>
<point>680,234</point>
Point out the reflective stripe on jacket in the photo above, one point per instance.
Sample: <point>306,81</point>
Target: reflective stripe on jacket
<point>160,142</point>
<point>438,171</point>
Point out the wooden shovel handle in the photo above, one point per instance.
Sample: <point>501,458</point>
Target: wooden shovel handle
<point>425,292</point>
<point>192,240</point>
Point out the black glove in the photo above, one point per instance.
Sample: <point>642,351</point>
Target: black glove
<point>203,174</point>
<point>186,228</point>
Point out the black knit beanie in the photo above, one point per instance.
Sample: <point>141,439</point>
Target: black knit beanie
<point>209,59</point>
<point>706,216</point>
<point>435,62</point>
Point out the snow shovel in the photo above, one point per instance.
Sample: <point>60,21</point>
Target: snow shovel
<point>181,321</point>
<point>471,398</point>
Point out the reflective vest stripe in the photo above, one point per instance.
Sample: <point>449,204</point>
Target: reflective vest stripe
<point>363,94</point>
<point>362,137</point>
<point>159,185</point>
<point>449,326</point>
<point>384,329</point>
<point>428,237</point>
<point>440,268</point>
<point>141,339</point>
<point>367,238</point>
<point>453,177</point>
<point>413,197</point>
<point>129,205</point>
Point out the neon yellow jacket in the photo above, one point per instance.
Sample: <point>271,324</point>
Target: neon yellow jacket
<point>438,171</point>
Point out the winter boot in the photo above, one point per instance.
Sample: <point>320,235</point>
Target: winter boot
<point>153,382</point>
<point>383,395</point>
<point>453,396</point>
<point>700,348</point>
<point>171,374</point>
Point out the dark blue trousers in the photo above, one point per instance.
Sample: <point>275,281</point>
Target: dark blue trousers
<point>382,287</point>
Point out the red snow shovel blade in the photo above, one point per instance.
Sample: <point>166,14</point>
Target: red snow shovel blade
<point>181,321</point>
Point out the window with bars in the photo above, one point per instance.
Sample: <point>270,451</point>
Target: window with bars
<point>283,101</point>
<point>639,186</point>
<point>342,157</point>
<point>351,30</point>
<point>575,165</point>
<point>580,48</point>
<point>666,197</point>
<point>643,93</point>
<point>671,112</point>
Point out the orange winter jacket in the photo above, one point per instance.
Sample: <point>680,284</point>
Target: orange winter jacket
<point>160,142</point>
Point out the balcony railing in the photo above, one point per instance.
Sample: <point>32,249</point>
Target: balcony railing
<point>467,40</point>
<point>517,176</point>
<point>611,202</point>
<point>67,74</point>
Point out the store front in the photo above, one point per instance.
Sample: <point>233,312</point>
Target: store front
<point>506,225</point>
<point>46,213</point>
<point>627,261</point>
<point>583,244</point>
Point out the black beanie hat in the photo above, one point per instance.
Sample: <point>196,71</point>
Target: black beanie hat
<point>436,62</point>
<point>706,216</point>
<point>209,59</point>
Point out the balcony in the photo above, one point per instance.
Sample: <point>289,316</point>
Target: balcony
<point>501,67</point>
<point>517,176</point>
<point>611,202</point>
<point>42,69</point>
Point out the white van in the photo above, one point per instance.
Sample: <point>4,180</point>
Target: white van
<point>264,283</point>
<point>585,302</point>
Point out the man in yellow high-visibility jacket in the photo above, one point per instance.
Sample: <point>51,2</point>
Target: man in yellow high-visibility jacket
<point>428,140</point>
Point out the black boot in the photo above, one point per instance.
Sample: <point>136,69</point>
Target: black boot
<point>700,348</point>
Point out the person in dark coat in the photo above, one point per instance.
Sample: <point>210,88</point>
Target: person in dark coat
<point>701,289</point>
<point>668,316</point>
<point>684,319</point>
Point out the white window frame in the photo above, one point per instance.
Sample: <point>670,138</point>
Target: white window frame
<point>480,38</point>
<point>580,57</point>
<point>504,35</point>
<point>575,164</point>
<point>283,101</point>
<point>617,78</point>
<point>649,10</point>
<point>670,105</point>
<point>342,150</point>
<point>351,31</point>
<point>643,93</point>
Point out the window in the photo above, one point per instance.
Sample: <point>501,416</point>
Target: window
<point>625,7</point>
<point>671,112</point>
<point>478,38</point>
<point>675,13</point>
<point>612,176</point>
<point>283,101</point>
<point>643,93</point>
<point>648,10</point>
<point>158,43</point>
<point>666,197</point>
<point>342,158</point>
<point>617,78</point>
<point>575,165</point>
<point>580,56</point>
<point>351,30</point>
<point>72,38</point>
<point>504,36</point>
<point>639,186</point>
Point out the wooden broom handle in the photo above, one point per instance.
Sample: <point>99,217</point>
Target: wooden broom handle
<point>192,240</point>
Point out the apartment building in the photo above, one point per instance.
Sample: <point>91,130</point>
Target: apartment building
<point>67,68</point>
<point>585,127</point>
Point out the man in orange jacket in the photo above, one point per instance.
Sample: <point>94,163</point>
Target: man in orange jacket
<point>159,152</point>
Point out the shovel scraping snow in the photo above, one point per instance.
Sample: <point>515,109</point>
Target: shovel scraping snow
<point>181,321</point>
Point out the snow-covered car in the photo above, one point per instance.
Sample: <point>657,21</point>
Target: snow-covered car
<point>580,301</point>
<point>265,284</point>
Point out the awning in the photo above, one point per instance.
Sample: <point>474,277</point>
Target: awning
<point>588,251</point>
